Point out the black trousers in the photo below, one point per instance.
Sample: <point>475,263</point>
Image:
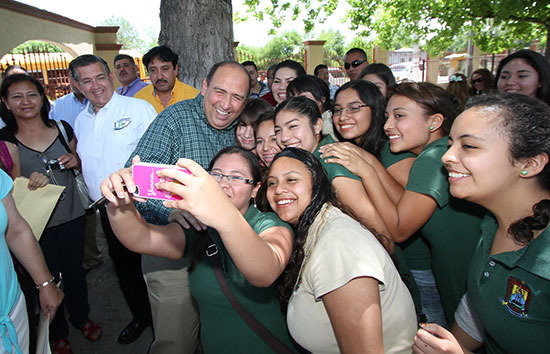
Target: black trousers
<point>128,270</point>
<point>63,248</point>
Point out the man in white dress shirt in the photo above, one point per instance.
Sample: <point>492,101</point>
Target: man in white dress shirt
<point>107,131</point>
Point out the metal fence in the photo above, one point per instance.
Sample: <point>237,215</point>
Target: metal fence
<point>51,69</point>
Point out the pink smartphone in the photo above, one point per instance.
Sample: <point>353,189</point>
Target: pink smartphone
<point>145,178</point>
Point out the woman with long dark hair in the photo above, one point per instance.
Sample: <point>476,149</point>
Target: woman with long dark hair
<point>481,82</point>
<point>44,151</point>
<point>380,75</point>
<point>526,72</point>
<point>359,115</point>
<point>499,158</point>
<point>283,74</point>
<point>341,289</point>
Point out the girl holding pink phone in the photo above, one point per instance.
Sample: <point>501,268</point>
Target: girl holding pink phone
<point>254,247</point>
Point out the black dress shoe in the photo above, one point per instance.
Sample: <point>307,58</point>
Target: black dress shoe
<point>133,330</point>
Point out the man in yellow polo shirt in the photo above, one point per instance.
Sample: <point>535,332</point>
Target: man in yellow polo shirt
<point>162,64</point>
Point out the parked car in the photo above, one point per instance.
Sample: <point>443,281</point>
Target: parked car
<point>403,70</point>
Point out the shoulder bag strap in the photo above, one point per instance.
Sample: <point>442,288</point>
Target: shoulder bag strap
<point>61,129</point>
<point>65,142</point>
<point>258,328</point>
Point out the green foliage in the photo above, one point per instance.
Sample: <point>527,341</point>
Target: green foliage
<point>401,39</point>
<point>493,25</point>
<point>363,43</point>
<point>32,46</point>
<point>314,10</point>
<point>283,45</point>
<point>460,43</point>
<point>130,37</point>
<point>151,38</point>
<point>335,41</point>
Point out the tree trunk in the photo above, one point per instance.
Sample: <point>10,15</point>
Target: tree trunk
<point>200,31</point>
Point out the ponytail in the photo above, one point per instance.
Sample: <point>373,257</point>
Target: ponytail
<point>522,230</point>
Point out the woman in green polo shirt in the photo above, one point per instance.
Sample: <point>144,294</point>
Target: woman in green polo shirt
<point>499,158</point>
<point>255,247</point>
<point>298,123</point>
<point>362,132</point>
<point>419,118</point>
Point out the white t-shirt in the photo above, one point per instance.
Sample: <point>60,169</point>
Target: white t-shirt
<point>105,140</point>
<point>345,250</point>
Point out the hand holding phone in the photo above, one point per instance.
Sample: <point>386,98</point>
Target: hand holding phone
<point>145,178</point>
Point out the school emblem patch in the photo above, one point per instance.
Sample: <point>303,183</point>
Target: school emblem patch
<point>517,298</point>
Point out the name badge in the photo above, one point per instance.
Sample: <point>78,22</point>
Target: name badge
<point>122,123</point>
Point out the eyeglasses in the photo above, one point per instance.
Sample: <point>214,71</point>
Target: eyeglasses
<point>233,180</point>
<point>100,79</point>
<point>351,109</point>
<point>478,80</point>
<point>354,64</point>
<point>455,78</point>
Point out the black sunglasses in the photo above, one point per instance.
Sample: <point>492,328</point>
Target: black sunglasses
<point>354,63</point>
<point>478,80</point>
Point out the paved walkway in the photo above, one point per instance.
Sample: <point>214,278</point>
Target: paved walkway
<point>110,311</point>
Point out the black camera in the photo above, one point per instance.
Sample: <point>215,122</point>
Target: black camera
<point>53,164</point>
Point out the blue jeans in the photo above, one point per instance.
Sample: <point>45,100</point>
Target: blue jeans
<point>429,296</point>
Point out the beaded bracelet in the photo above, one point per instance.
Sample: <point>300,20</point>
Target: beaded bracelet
<point>45,284</point>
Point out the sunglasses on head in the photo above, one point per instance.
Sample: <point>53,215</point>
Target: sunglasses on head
<point>478,80</point>
<point>455,78</point>
<point>354,64</point>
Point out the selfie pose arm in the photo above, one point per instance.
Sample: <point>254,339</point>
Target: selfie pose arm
<point>130,227</point>
<point>260,258</point>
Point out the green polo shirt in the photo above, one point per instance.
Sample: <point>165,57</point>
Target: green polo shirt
<point>222,329</point>
<point>510,292</point>
<point>453,229</point>
<point>333,170</point>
